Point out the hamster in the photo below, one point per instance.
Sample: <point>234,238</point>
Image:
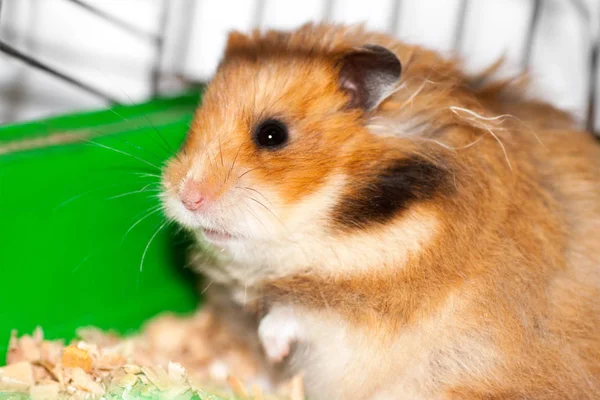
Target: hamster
<point>394,227</point>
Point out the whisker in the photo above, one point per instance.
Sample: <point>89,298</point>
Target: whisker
<point>254,215</point>
<point>250,170</point>
<point>134,192</point>
<point>179,229</point>
<point>221,152</point>
<point>150,242</point>
<point>140,148</point>
<point>70,200</point>
<point>154,194</point>
<point>206,288</point>
<point>147,175</point>
<point>267,208</point>
<point>81,263</point>
<point>234,160</point>
<point>125,153</point>
<point>210,159</point>
<point>100,134</point>
<point>255,191</point>
<point>129,171</point>
<point>193,260</point>
<point>169,150</point>
<point>151,211</point>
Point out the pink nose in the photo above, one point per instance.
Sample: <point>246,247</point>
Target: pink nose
<point>191,197</point>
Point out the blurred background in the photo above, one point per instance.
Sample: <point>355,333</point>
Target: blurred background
<point>130,50</point>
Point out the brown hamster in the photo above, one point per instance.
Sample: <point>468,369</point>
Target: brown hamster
<point>408,231</point>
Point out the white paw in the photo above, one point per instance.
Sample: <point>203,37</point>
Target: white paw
<point>278,331</point>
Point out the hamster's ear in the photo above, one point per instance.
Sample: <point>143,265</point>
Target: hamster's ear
<point>369,75</point>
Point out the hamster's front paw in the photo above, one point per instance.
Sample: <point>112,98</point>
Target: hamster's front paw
<point>278,331</point>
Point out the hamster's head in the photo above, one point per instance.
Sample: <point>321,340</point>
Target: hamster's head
<point>279,163</point>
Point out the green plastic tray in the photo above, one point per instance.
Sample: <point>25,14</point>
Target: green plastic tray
<point>65,209</point>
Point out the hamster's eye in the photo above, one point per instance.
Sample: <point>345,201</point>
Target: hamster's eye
<point>271,134</point>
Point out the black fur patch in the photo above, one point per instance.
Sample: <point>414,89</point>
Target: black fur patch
<point>398,185</point>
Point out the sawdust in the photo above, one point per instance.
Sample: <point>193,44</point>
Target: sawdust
<point>173,357</point>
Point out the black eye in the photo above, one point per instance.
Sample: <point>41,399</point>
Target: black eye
<point>271,134</point>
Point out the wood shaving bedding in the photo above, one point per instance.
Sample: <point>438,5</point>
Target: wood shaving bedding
<point>172,358</point>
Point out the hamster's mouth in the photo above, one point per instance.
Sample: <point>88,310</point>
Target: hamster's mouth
<point>215,236</point>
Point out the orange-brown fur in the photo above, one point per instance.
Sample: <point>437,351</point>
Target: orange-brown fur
<point>518,237</point>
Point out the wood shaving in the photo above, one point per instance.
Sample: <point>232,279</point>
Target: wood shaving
<point>86,382</point>
<point>51,352</point>
<point>18,375</point>
<point>173,357</point>
<point>30,350</point>
<point>237,386</point>
<point>74,357</point>
<point>157,376</point>
<point>45,391</point>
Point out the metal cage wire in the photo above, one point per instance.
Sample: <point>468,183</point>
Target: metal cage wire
<point>157,40</point>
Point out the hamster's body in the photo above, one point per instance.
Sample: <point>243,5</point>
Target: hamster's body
<point>416,234</point>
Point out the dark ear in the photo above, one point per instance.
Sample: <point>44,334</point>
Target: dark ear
<point>369,74</point>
